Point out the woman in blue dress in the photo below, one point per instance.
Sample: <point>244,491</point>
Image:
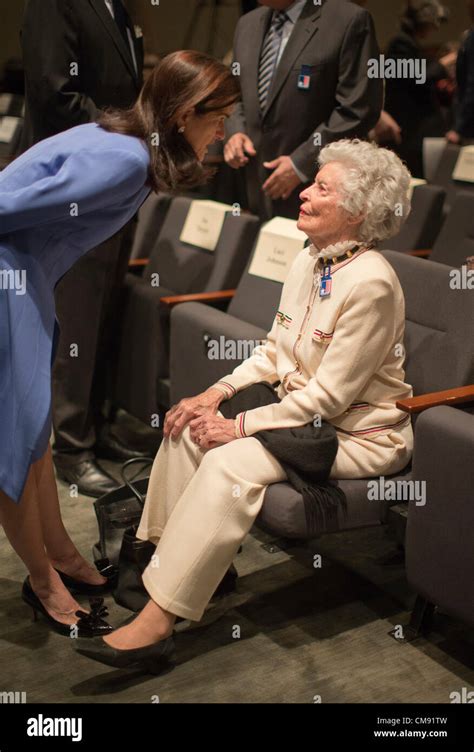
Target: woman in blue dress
<point>60,199</point>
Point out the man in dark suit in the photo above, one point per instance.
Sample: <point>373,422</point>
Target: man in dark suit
<point>80,57</point>
<point>303,73</point>
<point>412,102</point>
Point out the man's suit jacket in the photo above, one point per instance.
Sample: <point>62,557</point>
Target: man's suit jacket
<point>334,41</point>
<point>76,64</point>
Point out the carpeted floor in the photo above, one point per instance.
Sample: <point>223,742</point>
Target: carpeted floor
<point>292,633</point>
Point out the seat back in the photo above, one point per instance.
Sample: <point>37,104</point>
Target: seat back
<point>256,300</point>
<point>433,149</point>
<point>455,242</point>
<point>439,322</point>
<point>424,221</point>
<point>444,175</point>
<point>185,268</point>
<point>151,217</point>
<point>439,550</point>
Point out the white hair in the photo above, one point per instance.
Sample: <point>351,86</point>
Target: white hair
<point>375,184</point>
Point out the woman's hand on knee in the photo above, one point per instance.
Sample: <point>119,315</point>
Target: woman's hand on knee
<point>178,416</point>
<point>209,431</point>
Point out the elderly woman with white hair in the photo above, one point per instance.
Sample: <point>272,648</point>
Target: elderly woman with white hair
<point>336,349</point>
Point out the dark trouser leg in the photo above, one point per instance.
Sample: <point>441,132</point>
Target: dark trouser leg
<point>84,301</point>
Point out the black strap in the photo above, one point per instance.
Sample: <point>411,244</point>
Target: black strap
<point>144,462</point>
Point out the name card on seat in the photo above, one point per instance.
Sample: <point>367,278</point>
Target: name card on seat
<point>464,169</point>
<point>5,103</point>
<point>279,242</point>
<point>8,126</point>
<point>414,182</point>
<point>204,223</point>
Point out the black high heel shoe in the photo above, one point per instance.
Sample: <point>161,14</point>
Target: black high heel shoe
<point>88,625</point>
<point>152,659</point>
<point>77,587</point>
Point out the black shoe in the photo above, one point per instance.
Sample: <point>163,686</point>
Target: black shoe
<point>88,625</point>
<point>109,447</point>
<point>152,659</point>
<point>89,477</point>
<point>78,587</point>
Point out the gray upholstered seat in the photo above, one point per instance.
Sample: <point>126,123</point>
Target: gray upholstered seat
<point>443,176</point>
<point>439,545</point>
<point>439,323</point>
<point>175,268</point>
<point>455,241</point>
<point>151,217</point>
<point>424,221</point>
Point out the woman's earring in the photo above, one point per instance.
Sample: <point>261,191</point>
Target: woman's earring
<point>181,130</point>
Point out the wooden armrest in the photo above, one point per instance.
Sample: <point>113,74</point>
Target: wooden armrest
<point>197,297</point>
<point>447,397</point>
<point>138,263</point>
<point>421,254</point>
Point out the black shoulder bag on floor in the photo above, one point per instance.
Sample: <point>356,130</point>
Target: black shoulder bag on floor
<point>118,516</point>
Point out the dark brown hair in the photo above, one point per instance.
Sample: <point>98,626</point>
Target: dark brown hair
<point>181,81</point>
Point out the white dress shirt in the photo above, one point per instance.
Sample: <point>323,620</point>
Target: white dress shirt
<point>293,12</point>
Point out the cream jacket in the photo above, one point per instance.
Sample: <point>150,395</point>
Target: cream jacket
<point>338,358</point>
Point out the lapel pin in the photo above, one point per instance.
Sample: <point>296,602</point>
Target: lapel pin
<point>304,79</point>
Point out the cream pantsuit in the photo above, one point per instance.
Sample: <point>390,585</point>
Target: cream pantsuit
<point>202,503</point>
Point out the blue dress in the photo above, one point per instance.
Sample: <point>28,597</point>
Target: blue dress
<point>59,200</point>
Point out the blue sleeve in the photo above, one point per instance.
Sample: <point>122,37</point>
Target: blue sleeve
<point>87,181</point>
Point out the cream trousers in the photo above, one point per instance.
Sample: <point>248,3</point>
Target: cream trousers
<point>201,504</point>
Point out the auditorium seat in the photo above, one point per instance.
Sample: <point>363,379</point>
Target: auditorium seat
<point>455,241</point>
<point>150,221</point>
<point>140,379</point>
<point>433,149</point>
<point>439,548</point>
<point>439,322</point>
<point>443,176</point>
<point>424,221</point>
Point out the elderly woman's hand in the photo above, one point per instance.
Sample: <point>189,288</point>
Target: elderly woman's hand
<point>178,417</point>
<point>209,431</point>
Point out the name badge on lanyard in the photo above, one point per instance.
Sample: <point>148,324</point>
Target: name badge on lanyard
<point>304,79</point>
<point>326,283</point>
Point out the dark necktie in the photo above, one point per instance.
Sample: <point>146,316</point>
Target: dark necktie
<point>120,16</point>
<point>269,56</point>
